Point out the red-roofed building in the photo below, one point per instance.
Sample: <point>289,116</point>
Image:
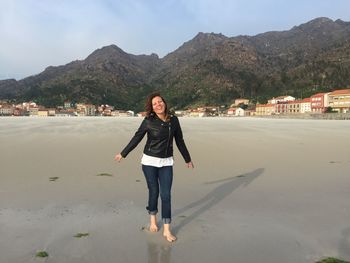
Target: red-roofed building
<point>281,107</point>
<point>339,100</point>
<point>294,106</point>
<point>319,102</point>
<point>231,111</point>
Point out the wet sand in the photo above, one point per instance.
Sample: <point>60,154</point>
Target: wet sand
<point>262,190</point>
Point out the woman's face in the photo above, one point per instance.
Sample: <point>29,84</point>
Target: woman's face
<point>158,105</point>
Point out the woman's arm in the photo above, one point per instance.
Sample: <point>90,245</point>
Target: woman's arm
<point>180,142</point>
<point>135,140</point>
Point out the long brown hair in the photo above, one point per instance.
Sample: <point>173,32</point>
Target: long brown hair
<point>149,107</point>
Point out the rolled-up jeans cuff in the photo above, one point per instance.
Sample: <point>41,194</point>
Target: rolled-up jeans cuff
<point>153,212</point>
<point>166,220</point>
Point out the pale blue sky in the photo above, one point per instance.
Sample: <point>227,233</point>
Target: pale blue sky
<point>35,34</point>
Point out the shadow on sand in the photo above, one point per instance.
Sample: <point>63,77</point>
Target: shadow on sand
<point>161,253</point>
<point>216,195</point>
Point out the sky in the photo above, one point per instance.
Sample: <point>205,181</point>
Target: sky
<point>35,34</point>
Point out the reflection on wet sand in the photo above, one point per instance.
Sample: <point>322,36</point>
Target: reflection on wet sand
<point>158,253</point>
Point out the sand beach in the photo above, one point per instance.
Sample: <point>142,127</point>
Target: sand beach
<point>263,190</point>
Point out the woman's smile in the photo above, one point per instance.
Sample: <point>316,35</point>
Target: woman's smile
<point>158,105</point>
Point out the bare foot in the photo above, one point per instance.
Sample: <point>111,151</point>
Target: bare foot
<point>153,225</point>
<point>167,233</point>
<point>169,236</point>
<point>153,228</point>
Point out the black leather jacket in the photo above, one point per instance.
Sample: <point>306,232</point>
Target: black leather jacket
<point>160,136</point>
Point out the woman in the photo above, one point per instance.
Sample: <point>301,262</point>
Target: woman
<point>157,160</point>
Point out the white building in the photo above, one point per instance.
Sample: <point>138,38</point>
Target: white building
<point>239,112</point>
<point>280,99</point>
<point>305,105</point>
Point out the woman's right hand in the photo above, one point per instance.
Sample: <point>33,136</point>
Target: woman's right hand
<point>118,157</point>
<point>190,165</point>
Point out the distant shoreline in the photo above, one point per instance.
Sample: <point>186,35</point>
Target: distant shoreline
<point>323,116</point>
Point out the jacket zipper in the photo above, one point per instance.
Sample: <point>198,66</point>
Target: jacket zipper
<point>167,145</point>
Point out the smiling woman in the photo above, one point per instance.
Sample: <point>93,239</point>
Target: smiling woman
<point>157,160</point>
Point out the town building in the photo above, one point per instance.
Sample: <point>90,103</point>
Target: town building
<point>319,102</point>
<point>90,109</point>
<point>195,113</point>
<point>240,112</point>
<point>18,112</point>
<point>294,107</point>
<point>33,111</point>
<point>27,105</point>
<point>339,100</point>
<point>67,105</point>
<point>305,105</point>
<point>105,110</point>
<point>86,109</point>
<point>281,107</point>
<point>241,101</point>
<point>43,113</point>
<point>231,111</point>
<point>265,109</point>
<point>6,110</point>
<point>180,113</point>
<point>280,99</point>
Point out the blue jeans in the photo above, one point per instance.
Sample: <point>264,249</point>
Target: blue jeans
<point>159,179</point>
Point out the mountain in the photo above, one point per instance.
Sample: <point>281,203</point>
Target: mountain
<point>210,68</point>
<point>108,75</point>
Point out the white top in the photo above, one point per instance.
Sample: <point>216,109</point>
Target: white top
<point>157,162</point>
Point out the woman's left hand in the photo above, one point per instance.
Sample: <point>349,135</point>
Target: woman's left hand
<point>118,157</point>
<point>190,165</point>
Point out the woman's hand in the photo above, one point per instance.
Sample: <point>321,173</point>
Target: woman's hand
<point>190,165</point>
<point>118,157</point>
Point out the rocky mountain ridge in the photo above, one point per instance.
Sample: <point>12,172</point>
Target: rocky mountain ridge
<point>210,68</point>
